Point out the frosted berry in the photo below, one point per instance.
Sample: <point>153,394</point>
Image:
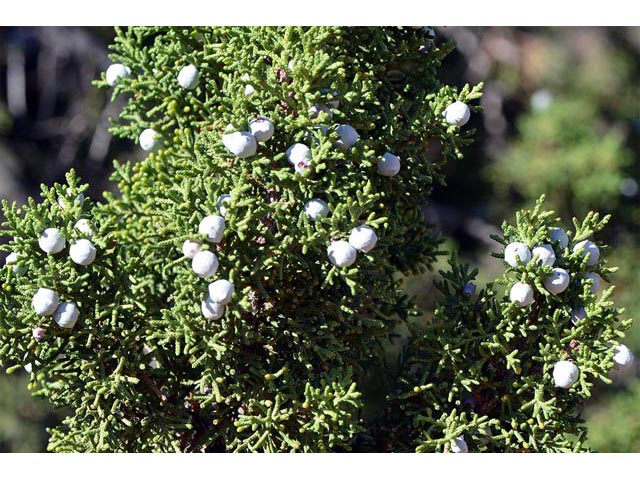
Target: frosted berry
<point>213,227</point>
<point>221,291</point>
<point>517,250</point>
<point>222,199</point>
<point>578,315</point>
<point>560,236</point>
<point>45,301</point>
<point>12,259</point>
<point>66,315</point>
<point>363,238</point>
<point>205,264</point>
<point>459,445</point>
<point>589,248</point>
<point>211,310</point>
<point>565,374</point>
<point>457,113</point>
<point>298,151</point>
<point>546,255</point>
<point>319,108</point>
<point>51,241</point>
<point>622,357</point>
<point>596,281</point>
<point>558,281</point>
<point>82,252</point>
<point>190,248</point>
<point>188,77</point>
<point>316,209</point>
<point>84,226</point>
<point>148,139</point>
<point>38,334</point>
<point>241,144</point>
<point>77,201</point>
<point>521,294</point>
<point>115,72</point>
<point>348,137</point>
<point>341,253</point>
<point>388,165</point>
<point>262,128</point>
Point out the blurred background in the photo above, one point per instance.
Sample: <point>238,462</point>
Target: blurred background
<point>561,117</point>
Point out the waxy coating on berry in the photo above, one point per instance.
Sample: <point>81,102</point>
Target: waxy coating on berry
<point>82,252</point>
<point>51,241</point>
<point>45,301</point>
<point>188,77</point>
<point>458,113</point>
<point>388,165</point>
<point>213,227</point>
<point>148,139</point>
<point>565,374</point>
<point>341,253</point>
<point>316,208</point>
<point>589,248</point>
<point>558,281</point>
<point>115,72</point>
<point>241,144</point>
<point>363,238</point>
<point>521,294</point>
<point>516,250</point>
<point>66,315</point>
<point>205,264</point>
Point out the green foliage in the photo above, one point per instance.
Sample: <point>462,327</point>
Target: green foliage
<point>482,368</point>
<point>568,152</point>
<point>142,369</point>
<point>284,367</point>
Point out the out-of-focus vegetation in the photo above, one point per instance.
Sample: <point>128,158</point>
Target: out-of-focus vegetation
<point>561,117</point>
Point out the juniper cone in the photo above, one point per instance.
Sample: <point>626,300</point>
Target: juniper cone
<point>149,361</point>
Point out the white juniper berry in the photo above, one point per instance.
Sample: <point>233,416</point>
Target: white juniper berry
<point>388,165</point>
<point>82,252</point>
<point>221,291</point>
<point>521,294</point>
<point>205,264</point>
<point>590,249</point>
<point>517,250</point>
<point>262,129</point>
<point>596,281</point>
<point>458,113</point>
<point>115,72</point>
<point>565,374</point>
<point>348,137</point>
<point>213,227</point>
<point>190,248</point>
<point>363,238</point>
<point>622,357</point>
<point>211,310</point>
<point>558,281</point>
<point>316,208</point>
<point>560,236</point>
<point>546,255</point>
<point>51,241</point>
<point>341,253</point>
<point>148,139</point>
<point>188,77</point>
<point>84,226</point>
<point>222,199</point>
<point>241,144</point>
<point>45,301</point>
<point>66,315</point>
